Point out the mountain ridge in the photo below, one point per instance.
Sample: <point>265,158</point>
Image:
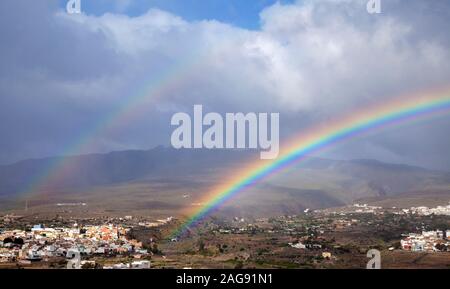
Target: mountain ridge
<point>162,175</point>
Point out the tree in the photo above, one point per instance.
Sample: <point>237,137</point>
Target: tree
<point>7,240</point>
<point>201,245</point>
<point>239,265</point>
<point>154,249</point>
<point>18,241</point>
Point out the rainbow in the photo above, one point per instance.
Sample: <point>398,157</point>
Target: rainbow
<point>124,112</point>
<point>397,111</point>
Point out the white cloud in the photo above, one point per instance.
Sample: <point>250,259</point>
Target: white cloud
<point>306,56</point>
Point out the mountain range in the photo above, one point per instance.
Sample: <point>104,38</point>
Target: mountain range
<point>164,180</point>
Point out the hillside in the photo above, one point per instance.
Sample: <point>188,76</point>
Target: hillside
<point>165,180</point>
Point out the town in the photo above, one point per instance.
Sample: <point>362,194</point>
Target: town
<point>329,238</point>
<point>55,244</point>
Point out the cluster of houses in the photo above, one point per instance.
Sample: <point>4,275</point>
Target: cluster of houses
<point>311,246</point>
<point>133,265</point>
<point>352,209</point>
<point>42,243</point>
<point>425,211</point>
<point>428,241</point>
<point>368,209</point>
<point>153,224</point>
<point>365,208</point>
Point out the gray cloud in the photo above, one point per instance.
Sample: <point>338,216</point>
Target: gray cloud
<point>310,61</point>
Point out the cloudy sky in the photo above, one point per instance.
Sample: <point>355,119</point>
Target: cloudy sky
<point>112,77</point>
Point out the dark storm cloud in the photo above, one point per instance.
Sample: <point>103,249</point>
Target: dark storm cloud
<point>311,61</point>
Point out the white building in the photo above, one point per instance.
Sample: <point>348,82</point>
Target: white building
<point>140,265</point>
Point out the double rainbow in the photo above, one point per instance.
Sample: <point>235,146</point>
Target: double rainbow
<point>400,110</point>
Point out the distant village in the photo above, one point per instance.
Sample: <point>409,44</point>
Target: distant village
<point>365,208</point>
<point>42,244</point>
<point>310,235</point>
<point>427,241</point>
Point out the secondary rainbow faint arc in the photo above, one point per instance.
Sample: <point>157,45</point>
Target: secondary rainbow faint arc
<point>390,113</point>
<point>121,114</point>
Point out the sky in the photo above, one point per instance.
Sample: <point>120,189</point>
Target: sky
<point>64,78</point>
<point>235,12</point>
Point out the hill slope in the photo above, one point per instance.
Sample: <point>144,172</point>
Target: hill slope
<point>168,180</point>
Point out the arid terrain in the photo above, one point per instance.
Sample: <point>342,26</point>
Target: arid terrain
<point>332,238</point>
